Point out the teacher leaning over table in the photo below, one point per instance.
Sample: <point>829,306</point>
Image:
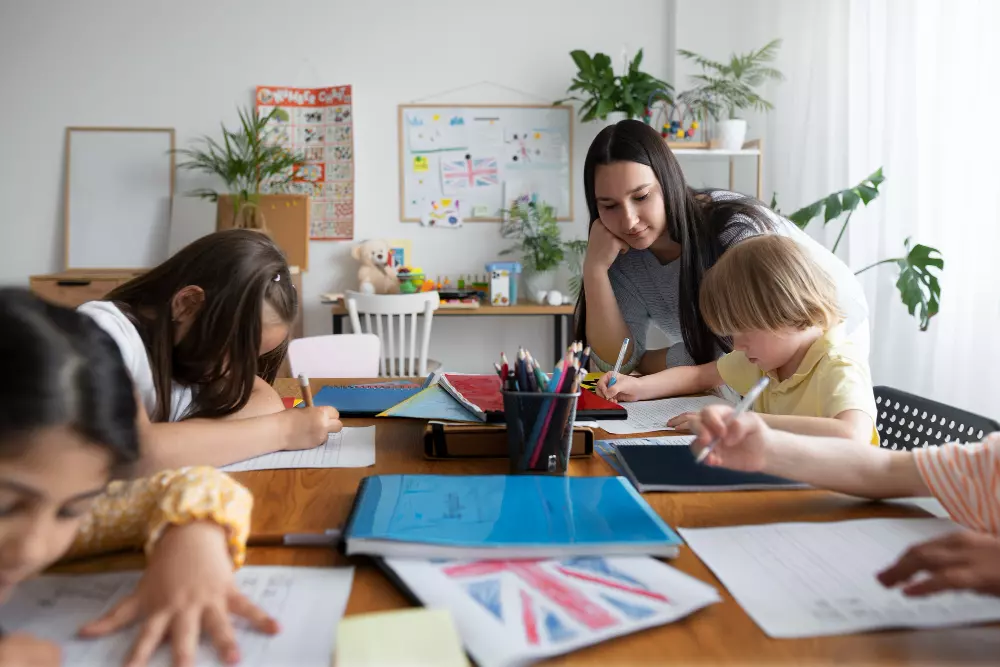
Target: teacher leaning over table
<point>652,238</point>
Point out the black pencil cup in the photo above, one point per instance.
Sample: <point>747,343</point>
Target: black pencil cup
<point>539,431</point>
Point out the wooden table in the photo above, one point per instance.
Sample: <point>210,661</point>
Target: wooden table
<point>561,316</point>
<point>313,500</point>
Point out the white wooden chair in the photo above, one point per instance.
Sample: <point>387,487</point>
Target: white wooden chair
<point>336,356</point>
<point>384,315</point>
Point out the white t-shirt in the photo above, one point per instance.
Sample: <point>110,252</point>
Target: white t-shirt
<point>120,328</point>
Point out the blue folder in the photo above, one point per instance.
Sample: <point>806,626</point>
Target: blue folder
<point>504,516</point>
<point>364,401</point>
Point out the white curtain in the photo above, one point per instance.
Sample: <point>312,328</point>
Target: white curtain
<point>911,86</point>
<point>922,102</point>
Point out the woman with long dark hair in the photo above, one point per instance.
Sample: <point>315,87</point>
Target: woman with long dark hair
<point>202,336</point>
<point>652,238</point>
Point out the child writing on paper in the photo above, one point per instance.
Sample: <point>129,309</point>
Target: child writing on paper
<point>202,336</point>
<point>965,478</point>
<point>67,427</point>
<point>780,309</point>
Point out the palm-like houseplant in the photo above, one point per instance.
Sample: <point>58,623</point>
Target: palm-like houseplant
<point>603,92</point>
<point>725,88</point>
<point>248,163</point>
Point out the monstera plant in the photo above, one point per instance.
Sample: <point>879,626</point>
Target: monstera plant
<point>918,266</point>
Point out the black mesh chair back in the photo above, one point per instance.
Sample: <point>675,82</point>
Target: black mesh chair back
<point>906,421</point>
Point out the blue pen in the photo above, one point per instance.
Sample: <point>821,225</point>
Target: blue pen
<point>618,364</point>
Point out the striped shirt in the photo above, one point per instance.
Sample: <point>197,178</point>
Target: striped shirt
<point>966,480</point>
<point>648,292</point>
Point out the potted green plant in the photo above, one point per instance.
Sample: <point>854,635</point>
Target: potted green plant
<point>726,88</point>
<point>609,97</point>
<point>916,280</point>
<point>258,172</point>
<point>533,224</point>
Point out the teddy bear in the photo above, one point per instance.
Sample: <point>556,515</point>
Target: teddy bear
<point>375,275</point>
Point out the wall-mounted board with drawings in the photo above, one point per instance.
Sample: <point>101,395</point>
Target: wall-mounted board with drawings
<point>119,187</point>
<point>485,156</point>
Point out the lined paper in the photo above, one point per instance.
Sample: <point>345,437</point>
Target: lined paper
<point>814,579</point>
<point>646,416</point>
<point>307,602</point>
<point>350,448</point>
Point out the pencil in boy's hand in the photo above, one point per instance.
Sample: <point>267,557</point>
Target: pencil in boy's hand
<point>307,394</point>
<point>741,407</point>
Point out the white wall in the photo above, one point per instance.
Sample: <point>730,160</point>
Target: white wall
<point>187,64</point>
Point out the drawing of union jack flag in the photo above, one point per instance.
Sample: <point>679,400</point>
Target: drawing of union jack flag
<point>469,172</point>
<point>550,602</point>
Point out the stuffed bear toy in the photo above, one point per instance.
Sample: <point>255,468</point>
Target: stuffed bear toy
<point>375,276</point>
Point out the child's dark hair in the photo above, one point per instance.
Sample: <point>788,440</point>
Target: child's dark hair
<point>68,372</point>
<point>238,270</point>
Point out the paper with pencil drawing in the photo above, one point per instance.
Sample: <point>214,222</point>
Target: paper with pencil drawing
<point>307,602</point>
<point>646,416</point>
<point>814,579</point>
<point>351,448</point>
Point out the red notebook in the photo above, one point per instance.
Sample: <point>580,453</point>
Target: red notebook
<point>481,395</point>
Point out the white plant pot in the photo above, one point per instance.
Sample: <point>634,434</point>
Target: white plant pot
<point>614,117</point>
<point>538,282</point>
<point>732,134</point>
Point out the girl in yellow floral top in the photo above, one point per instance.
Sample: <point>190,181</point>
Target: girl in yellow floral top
<point>67,427</point>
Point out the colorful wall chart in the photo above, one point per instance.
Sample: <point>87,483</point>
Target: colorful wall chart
<point>484,157</point>
<point>319,123</point>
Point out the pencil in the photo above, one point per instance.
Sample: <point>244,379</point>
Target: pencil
<point>740,409</point>
<point>307,394</point>
<point>327,538</point>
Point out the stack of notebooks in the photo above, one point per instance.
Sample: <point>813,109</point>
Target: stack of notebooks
<point>480,395</point>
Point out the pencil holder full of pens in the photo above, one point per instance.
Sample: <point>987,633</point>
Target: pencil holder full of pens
<point>539,430</point>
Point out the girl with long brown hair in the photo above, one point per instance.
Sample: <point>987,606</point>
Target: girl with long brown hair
<point>203,335</point>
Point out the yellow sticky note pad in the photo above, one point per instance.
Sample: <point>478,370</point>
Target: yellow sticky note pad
<point>412,637</point>
<point>420,163</point>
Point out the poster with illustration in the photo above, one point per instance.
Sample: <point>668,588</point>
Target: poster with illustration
<point>317,122</point>
<point>471,152</point>
<point>442,213</point>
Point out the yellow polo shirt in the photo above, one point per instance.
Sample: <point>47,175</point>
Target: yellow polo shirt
<point>832,378</point>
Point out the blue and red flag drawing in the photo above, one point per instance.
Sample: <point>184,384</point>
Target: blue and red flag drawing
<point>548,602</point>
<point>469,172</point>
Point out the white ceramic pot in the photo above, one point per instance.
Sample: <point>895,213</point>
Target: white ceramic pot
<point>614,117</point>
<point>539,282</point>
<point>732,133</point>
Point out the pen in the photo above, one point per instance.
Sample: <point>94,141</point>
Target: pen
<point>618,364</point>
<point>307,393</point>
<point>740,409</point>
<point>327,538</point>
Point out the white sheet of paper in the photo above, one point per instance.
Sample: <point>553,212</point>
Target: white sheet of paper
<point>645,416</point>
<point>307,602</point>
<point>815,579</point>
<point>671,440</point>
<point>351,448</point>
<point>513,613</point>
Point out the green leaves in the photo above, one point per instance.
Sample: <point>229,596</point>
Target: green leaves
<point>602,92</point>
<point>535,227</point>
<point>730,86</point>
<point>917,283</point>
<point>841,202</point>
<point>918,286</point>
<point>244,160</point>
